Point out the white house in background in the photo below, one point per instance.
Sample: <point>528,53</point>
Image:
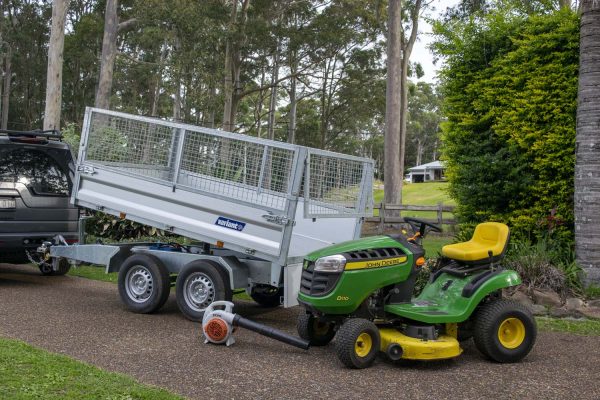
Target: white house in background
<point>433,171</point>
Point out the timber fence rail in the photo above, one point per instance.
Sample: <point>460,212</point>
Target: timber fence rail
<point>390,214</point>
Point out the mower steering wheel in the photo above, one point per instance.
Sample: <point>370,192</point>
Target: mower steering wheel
<point>420,226</point>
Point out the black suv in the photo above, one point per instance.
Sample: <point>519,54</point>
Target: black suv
<point>36,172</point>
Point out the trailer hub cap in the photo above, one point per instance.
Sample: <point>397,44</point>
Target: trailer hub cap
<point>199,291</point>
<point>139,284</point>
<point>363,344</point>
<point>511,333</point>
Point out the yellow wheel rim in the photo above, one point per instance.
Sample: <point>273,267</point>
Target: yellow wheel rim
<point>363,345</point>
<point>511,333</point>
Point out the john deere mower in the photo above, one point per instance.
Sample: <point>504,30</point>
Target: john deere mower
<point>361,292</point>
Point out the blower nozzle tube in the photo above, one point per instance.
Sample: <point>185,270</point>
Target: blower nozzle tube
<point>271,332</point>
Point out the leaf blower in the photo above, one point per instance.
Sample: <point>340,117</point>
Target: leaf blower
<point>219,322</point>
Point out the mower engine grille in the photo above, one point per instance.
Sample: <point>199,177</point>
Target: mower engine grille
<point>374,254</point>
<point>317,283</point>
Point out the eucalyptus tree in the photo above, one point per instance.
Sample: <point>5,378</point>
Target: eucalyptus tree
<point>55,65</point>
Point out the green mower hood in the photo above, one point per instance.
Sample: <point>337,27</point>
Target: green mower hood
<point>373,242</point>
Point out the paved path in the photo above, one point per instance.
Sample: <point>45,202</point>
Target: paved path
<point>85,320</point>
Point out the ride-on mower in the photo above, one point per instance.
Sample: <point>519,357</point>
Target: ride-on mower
<point>362,292</point>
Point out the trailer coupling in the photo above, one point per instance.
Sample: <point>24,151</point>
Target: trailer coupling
<point>219,321</point>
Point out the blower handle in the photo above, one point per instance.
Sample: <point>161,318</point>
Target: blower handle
<point>271,332</point>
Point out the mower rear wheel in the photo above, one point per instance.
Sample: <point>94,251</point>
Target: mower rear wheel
<point>357,343</point>
<point>317,331</point>
<point>505,330</point>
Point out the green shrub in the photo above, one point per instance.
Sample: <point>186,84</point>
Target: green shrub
<point>546,264</point>
<point>109,227</point>
<point>510,97</point>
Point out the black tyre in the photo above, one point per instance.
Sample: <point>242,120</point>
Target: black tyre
<point>357,343</point>
<point>144,283</point>
<point>267,296</point>
<point>198,285</point>
<point>505,330</point>
<point>63,267</point>
<point>317,331</point>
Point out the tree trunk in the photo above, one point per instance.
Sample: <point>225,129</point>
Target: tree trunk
<point>273,99</point>
<point>233,63</point>
<point>228,75</point>
<point>259,107</point>
<point>109,54</point>
<point>55,64</point>
<point>211,114</point>
<point>407,46</point>
<point>156,91</point>
<point>6,89</point>
<point>587,149</point>
<point>392,171</point>
<point>419,151</point>
<point>293,101</point>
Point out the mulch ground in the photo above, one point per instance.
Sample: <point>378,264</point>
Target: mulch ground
<point>86,320</point>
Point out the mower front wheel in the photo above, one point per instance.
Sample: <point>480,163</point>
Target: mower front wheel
<point>505,330</point>
<point>357,343</point>
<point>317,331</point>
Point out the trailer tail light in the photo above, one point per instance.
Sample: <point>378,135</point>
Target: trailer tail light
<point>72,241</point>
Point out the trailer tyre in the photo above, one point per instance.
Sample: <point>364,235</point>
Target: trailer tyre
<point>198,285</point>
<point>144,283</point>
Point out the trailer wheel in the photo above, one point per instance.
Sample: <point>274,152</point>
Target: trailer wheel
<point>144,283</point>
<point>198,285</point>
<point>267,295</point>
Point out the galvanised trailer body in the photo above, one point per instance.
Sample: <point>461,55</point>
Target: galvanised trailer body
<point>258,206</point>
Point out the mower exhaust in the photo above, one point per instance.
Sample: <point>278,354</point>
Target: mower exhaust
<point>219,322</point>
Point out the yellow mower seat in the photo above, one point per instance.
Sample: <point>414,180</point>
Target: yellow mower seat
<point>488,236</point>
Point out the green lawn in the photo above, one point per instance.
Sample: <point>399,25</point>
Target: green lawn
<point>579,327</point>
<point>27,372</point>
<point>420,194</point>
<point>96,273</point>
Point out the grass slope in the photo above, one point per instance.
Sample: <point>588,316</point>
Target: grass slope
<point>27,372</point>
<point>420,194</point>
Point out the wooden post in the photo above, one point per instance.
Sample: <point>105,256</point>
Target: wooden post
<point>440,214</point>
<point>381,217</point>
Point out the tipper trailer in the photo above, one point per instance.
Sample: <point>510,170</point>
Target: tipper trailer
<point>254,206</point>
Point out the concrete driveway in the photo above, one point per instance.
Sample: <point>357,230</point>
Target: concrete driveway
<point>85,320</point>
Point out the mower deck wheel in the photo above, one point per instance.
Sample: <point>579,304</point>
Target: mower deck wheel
<point>505,330</point>
<point>317,331</point>
<point>357,343</point>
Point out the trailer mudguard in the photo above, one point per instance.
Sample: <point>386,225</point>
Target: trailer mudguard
<point>453,299</point>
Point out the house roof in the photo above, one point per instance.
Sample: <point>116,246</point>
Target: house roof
<point>428,166</point>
